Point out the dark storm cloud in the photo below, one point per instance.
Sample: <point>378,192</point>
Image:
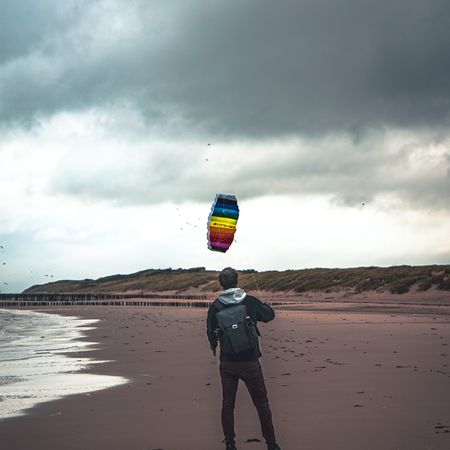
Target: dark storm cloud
<point>29,25</point>
<point>250,68</point>
<point>249,72</point>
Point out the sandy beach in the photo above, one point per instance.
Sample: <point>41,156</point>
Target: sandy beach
<point>341,380</point>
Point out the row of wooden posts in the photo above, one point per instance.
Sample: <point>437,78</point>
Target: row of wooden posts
<point>95,296</point>
<point>178,303</point>
<point>185,301</point>
<point>90,299</point>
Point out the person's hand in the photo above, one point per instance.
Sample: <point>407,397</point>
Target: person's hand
<point>213,348</point>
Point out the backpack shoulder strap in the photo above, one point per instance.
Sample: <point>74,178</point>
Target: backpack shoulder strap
<point>218,304</point>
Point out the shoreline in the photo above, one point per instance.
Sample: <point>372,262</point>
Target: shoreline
<point>44,357</point>
<point>319,366</point>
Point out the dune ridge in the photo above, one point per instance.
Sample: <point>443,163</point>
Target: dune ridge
<point>392,280</point>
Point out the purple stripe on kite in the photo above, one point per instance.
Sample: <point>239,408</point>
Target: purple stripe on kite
<point>220,244</point>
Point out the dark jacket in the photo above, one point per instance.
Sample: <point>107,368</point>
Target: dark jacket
<point>257,310</point>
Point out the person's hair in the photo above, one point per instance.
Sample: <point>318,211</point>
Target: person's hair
<point>228,278</point>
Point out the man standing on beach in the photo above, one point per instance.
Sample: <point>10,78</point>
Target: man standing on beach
<point>243,364</point>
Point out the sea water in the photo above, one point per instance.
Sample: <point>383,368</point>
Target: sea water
<point>36,363</point>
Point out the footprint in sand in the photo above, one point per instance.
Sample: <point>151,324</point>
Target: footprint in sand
<point>444,428</point>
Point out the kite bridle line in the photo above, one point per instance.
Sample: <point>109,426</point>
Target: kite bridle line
<point>253,275</point>
<point>259,292</point>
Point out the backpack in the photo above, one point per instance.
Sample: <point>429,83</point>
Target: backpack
<point>238,332</point>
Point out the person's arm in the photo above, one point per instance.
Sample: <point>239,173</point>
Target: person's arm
<point>264,312</point>
<point>210,327</point>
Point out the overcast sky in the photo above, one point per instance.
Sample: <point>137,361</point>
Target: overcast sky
<point>121,120</point>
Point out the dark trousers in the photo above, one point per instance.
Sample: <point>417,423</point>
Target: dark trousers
<point>250,372</point>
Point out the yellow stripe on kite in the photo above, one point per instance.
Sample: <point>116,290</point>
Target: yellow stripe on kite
<point>223,220</point>
<point>223,226</point>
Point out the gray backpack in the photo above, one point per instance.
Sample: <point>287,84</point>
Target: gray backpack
<point>238,332</point>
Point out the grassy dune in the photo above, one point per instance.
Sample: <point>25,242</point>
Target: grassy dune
<point>396,280</point>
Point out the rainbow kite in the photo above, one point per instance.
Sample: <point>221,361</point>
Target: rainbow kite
<point>222,222</point>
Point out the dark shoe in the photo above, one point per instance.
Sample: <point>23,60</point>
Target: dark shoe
<point>273,447</point>
<point>231,446</point>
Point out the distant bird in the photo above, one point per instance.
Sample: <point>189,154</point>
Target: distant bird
<point>209,144</point>
<point>6,283</point>
<point>206,159</point>
<point>1,246</point>
<point>3,264</point>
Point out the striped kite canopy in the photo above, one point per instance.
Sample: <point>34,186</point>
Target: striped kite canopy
<point>222,222</point>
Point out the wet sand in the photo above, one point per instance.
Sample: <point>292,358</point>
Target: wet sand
<point>336,380</point>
